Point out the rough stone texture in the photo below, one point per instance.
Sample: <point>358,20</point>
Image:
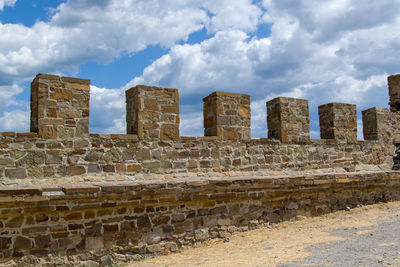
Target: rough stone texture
<point>288,120</point>
<point>162,215</point>
<point>165,216</point>
<point>227,116</point>
<point>394,92</point>
<point>338,121</point>
<point>118,154</point>
<point>60,106</point>
<point>157,147</point>
<point>152,112</point>
<point>383,125</point>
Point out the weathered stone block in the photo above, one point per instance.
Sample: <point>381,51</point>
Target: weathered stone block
<point>227,116</point>
<point>17,173</point>
<point>152,112</point>
<point>288,120</point>
<point>338,121</point>
<point>394,92</point>
<point>22,243</point>
<point>59,106</point>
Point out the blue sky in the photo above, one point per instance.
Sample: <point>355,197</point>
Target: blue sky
<point>323,51</point>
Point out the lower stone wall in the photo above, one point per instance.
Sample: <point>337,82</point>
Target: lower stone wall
<point>164,216</point>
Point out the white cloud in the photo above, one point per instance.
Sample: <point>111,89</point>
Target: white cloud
<point>16,119</point>
<point>4,3</point>
<point>82,30</point>
<point>320,51</point>
<point>227,14</point>
<point>107,110</point>
<point>327,51</point>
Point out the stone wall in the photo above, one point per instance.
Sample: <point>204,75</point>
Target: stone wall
<point>158,217</point>
<point>59,106</point>
<point>288,120</point>
<point>167,199</point>
<point>33,157</point>
<point>227,116</point>
<point>338,121</point>
<point>61,145</point>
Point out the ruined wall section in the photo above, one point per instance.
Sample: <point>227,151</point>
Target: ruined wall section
<point>61,145</point>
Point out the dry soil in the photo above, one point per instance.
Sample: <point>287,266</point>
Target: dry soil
<point>365,236</point>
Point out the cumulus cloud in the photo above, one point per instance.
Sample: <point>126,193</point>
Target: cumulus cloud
<point>324,51</point>
<point>107,110</point>
<point>82,30</point>
<point>4,3</point>
<point>18,118</point>
<point>321,51</point>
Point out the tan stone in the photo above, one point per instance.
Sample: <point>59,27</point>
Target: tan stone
<point>151,104</point>
<point>61,95</point>
<point>230,134</point>
<point>76,170</point>
<point>51,121</point>
<point>68,113</point>
<point>77,86</point>
<point>133,168</point>
<point>244,111</point>
<point>170,108</point>
<point>169,132</point>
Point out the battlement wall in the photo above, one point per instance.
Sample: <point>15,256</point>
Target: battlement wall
<point>60,144</point>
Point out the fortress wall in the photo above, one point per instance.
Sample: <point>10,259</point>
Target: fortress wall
<point>159,215</point>
<point>33,157</point>
<point>60,144</point>
<point>227,116</point>
<point>338,121</point>
<point>166,216</point>
<point>288,120</point>
<point>60,106</point>
<point>152,112</point>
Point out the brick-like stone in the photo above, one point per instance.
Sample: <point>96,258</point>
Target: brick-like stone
<point>152,112</point>
<point>76,170</point>
<point>22,243</point>
<point>338,121</point>
<point>17,173</point>
<point>288,120</point>
<point>227,116</point>
<point>59,120</point>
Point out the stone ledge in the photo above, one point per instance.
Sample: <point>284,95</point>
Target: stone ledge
<point>81,188</point>
<point>21,190</point>
<point>278,182</point>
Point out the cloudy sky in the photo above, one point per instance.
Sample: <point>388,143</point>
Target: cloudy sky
<point>323,51</point>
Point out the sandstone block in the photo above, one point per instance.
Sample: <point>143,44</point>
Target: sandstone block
<point>17,173</point>
<point>227,116</point>
<point>59,106</point>
<point>152,112</point>
<point>338,121</point>
<point>288,120</point>
<point>22,243</point>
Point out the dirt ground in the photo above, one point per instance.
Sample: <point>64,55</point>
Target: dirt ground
<point>365,236</point>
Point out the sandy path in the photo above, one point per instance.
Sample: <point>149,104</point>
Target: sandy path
<point>290,243</point>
